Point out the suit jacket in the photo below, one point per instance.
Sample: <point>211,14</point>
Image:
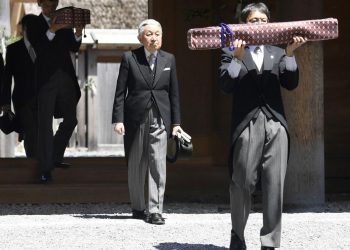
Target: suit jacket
<point>136,88</point>
<point>19,66</point>
<point>1,76</point>
<point>250,92</point>
<point>52,55</point>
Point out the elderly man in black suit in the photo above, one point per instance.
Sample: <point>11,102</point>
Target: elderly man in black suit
<point>146,108</point>
<point>260,141</point>
<point>20,65</point>
<point>57,84</point>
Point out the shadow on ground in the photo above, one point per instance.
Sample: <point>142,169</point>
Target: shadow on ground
<point>102,216</point>
<point>186,246</point>
<point>118,211</point>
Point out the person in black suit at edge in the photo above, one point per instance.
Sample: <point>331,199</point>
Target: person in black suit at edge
<point>1,77</point>
<point>58,88</point>
<point>147,109</point>
<point>1,80</point>
<point>254,76</point>
<point>20,60</point>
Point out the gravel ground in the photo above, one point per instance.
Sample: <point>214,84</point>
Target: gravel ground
<point>188,226</point>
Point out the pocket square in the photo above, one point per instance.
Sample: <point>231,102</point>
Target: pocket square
<point>165,69</point>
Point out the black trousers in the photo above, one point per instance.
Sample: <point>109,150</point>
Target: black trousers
<point>28,118</point>
<point>59,93</point>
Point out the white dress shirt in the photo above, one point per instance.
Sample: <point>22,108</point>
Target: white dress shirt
<point>235,66</point>
<point>148,54</point>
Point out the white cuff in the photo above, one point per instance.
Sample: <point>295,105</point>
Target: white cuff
<point>78,38</point>
<point>291,64</point>
<point>234,68</point>
<point>50,35</point>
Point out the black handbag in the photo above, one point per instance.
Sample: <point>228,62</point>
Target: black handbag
<point>8,123</point>
<point>179,147</point>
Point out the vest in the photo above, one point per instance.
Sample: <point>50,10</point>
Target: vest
<point>263,108</point>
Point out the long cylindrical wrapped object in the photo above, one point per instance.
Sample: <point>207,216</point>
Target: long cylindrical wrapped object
<point>262,34</point>
<point>75,17</point>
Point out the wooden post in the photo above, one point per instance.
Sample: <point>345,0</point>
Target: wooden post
<point>81,107</point>
<point>91,101</point>
<point>305,181</point>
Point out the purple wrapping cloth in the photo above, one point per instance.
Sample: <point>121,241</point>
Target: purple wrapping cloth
<point>262,34</point>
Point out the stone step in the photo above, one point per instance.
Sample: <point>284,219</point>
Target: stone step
<point>64,193</point>
<point>83,170</point>
<point>105,180</point>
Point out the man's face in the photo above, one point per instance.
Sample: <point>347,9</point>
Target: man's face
<point>151,38</point>
<point>48,6</point>
<point>257,17</point>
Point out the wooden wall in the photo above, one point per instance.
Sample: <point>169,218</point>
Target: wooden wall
<point>337,100</point>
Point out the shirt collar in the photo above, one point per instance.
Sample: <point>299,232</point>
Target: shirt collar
<point>252,48</point>
<point>147,53</point>
<point>47,19</point>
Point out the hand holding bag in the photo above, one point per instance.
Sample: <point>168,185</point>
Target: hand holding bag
<point>179,147</point>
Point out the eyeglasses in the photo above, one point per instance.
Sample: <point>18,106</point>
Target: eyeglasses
<point>258,20</point>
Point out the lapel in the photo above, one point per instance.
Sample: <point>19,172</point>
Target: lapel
<point>249,63</point>
<point>160,65</point>
<point>268,58</point>
<point>141,61</point>
<point>43,21</point>
<point>23,52</point>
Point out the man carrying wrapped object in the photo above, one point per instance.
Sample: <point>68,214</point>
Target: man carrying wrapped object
<point>260,141</point>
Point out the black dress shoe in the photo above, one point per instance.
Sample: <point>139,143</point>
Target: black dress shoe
<point>267,248</point>
<point>45,177</point>
<point>236,243</point>
<point>156,219</point>
<point>137,214</point>
<point>63,165</point>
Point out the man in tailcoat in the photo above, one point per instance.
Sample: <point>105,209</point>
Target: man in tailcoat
<point>260,141</point>
<point>20,66</point>
<point>58,89</point>
<point>147,110</point>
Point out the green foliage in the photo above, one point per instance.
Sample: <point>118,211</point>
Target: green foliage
<point>5,39</point>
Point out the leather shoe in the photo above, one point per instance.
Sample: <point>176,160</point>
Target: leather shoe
<point>137,214</point>
<point>156,219</point>
<point>45,177</point>
<point>63,165</point>
<point>267,248</point>
<point>236,243</point>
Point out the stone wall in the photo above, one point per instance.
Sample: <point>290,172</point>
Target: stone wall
<point>107,14</point>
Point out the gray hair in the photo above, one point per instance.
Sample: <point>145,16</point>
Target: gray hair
<point>147,22</point>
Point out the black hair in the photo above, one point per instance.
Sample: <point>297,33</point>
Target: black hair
<point>28,19</point>
<point>260,7</point>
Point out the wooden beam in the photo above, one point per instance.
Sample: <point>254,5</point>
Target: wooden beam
<point>23,1</point>
<point>16,14</point>
<point>15,17</point>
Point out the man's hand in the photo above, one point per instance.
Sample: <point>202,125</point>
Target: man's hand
<point>119,128</point>
<point>295,43</point>
<point>239,51</point>
<point>175,129</point>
